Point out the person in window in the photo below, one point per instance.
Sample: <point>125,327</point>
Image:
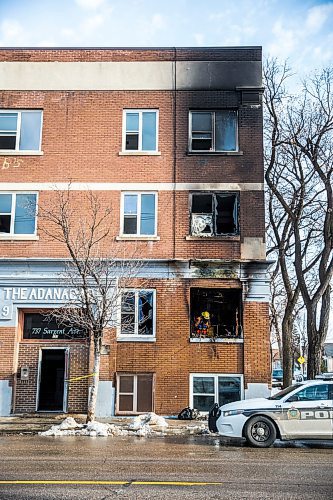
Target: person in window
<point>202,324</point>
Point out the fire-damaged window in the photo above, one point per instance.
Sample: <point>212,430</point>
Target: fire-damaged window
<point>216,313</point>
<point>213,131</point>
<point>138,313</point>
<point>214,214</point>
<point>135,392</point>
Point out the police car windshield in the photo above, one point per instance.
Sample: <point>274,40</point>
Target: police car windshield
<point>285,391</point>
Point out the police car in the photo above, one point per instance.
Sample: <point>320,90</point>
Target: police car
<point>301,411</point>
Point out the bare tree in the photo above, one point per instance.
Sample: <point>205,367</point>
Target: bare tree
<point>299,178</point>
<point>97,271</point>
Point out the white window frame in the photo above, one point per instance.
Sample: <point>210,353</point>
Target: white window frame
<point>216,391</point>
<point>136,337</point>
<point>11,234</point>
<point>213,150</point>
<point>140,112</point>
<point>134,393</point>
<point>122,214</point>
<point>17,150</point>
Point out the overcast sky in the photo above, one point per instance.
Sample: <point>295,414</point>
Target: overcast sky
<point>301,30</point>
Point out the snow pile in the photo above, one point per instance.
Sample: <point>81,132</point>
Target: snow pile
<point>142,424</point>
<point>69,427</point>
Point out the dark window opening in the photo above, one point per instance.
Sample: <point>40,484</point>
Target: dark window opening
<point>5,223</point>
<point>216,313</point>
<point>214,214</point>
<point>132,142</point>
<point>7,142</point>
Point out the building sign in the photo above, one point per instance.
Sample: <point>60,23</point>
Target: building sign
<point>45,294</point>
<point>37,326</point>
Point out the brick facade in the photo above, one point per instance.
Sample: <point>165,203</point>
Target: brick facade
<point>81,144</point>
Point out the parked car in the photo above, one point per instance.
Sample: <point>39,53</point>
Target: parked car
<point>301,411</point>
<point>277,378</point>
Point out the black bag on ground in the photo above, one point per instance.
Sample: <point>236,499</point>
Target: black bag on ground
<point>187,414</point>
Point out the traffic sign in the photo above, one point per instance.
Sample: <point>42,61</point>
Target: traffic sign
<point>301,360</point>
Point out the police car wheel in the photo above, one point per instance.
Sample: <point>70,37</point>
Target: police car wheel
<point>260,432</point>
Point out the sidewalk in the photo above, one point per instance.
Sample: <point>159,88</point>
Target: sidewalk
<point>34,423</point>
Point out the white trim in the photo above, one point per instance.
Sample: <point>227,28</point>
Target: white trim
<point>217,341</point>
<point>215,375</point>
<point>140,112</point>
<point>139,153</point>
<point>12,152</point>
<point>132,186</point>
<point>137,235</point>
<point>135,337</point>
<point>66,368</point>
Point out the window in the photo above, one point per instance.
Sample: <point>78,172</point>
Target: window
<point>206,390</point>
<point>18,213</point>
<point>214,214</point>
<point>135,393</point>
<point>312,393</point>
<point>138,313</point>
<point>140,130</point>
<point>20,130</point>
<point>139,214</point>
<point>216,313</point>
<point>214,131</point>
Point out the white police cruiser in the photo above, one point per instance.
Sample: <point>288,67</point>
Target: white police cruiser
<point>301,411</point>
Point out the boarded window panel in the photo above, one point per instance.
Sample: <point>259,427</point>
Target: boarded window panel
<point>226,214</point>
<point>147,223</point>
<point>145,393</point>
<point>202,203</point>
<point>149,131</point>
<point>126,383</point>
<point>225,131</point>
<point>30,130</point>
<point>126,402</point>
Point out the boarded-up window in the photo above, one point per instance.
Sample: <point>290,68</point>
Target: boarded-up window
<point>135,393</point>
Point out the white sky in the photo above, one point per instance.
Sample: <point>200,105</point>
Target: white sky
<point>301,30</point>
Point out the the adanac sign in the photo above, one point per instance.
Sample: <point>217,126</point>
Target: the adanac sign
<point>43,294</point>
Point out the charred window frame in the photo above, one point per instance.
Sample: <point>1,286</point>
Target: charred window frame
<point>225,313</point>
<point>213,131</point>
<point>214,214</point>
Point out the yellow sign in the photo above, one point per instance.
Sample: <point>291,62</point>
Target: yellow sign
<point>301,360</point>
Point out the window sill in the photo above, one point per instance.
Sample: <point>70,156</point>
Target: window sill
<point>217,341</point>
<point>139,153</point>
<point>132,338</point>
<point>19,237</point>
<point>137,238</point>
<point>214,238</point>
<point>215,153</point>
<point>21,153</point>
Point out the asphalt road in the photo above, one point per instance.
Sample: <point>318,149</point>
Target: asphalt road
<point>286,471</point>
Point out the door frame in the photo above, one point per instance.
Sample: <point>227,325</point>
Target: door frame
<point>66,371</point>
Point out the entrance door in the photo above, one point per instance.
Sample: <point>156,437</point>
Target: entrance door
<point>52,380</point>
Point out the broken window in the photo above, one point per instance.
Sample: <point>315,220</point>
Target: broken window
<point>137,313</point>
<point>216,313</point>
<point>214,214</point>
<point>135,393</point>
<point>214,131</point>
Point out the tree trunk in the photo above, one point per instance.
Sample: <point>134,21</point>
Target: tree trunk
<point>287,329</point>
<point>94,386</point>
<point>316,337</point>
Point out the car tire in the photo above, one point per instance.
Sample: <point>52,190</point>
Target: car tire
<point>260,431</point>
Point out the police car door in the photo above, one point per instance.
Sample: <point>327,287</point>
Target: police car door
<point>308,413</point>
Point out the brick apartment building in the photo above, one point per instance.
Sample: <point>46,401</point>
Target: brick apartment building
<point>172,140</point>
